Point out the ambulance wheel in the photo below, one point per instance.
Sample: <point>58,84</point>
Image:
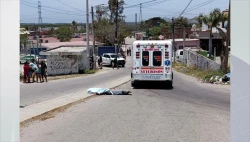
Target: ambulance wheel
<point>170,84</point>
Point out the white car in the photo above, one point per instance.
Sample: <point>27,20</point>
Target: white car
<point>179,55</point>
<point>108,59</point>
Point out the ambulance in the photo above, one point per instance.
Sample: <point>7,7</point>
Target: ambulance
<point>152,61</point>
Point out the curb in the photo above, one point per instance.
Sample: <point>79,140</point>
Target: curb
<point>38,111</point>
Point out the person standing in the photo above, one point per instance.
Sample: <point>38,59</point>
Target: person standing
<point>43,71</point>
<point>33,67</point>
<point>38,73</point>
<point>100,62</point>
<point>26,73</point>
<point>115,63</point>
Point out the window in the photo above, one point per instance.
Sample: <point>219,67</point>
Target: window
<point>114,56</point>
<point>157,58</point>
<point>181,53</point>
<point>180,47</point>
<point>106,56</point>
<point>145,58</point>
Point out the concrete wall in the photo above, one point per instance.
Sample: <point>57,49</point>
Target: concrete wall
<point>191,58</point>
<point>62,64</point>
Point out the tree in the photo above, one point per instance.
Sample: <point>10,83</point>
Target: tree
<point>154,32</point>
<point>101,12</point>
<point>64,33</point>
<point>182,22</point>
<point>52,31</point>
<point>199,20</point>
<point>112,5</point>
<point>212,20</point>
<point>74,26</point>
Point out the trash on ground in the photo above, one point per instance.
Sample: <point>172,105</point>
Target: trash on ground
<point>106,91</point>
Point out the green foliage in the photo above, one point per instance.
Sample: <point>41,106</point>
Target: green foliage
<point>87,71</point>
<point>154,32</point>
<point>112,4</point>
<point>64,34</point>
<point>204,53</point>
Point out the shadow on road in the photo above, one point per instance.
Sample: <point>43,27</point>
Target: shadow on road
<point>154,85</point>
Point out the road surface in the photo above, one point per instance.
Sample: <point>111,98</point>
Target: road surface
<point>190,112</point>
<point>39,92</point>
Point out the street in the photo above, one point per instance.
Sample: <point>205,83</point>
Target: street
<point>190,112</point>
<point>39,92</point>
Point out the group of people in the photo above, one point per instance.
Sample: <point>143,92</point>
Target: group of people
<point>34,70</point>
<point>129,52</point>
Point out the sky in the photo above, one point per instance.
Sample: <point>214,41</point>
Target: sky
<point>65,11</point>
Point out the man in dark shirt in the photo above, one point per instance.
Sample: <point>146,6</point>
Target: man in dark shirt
<point>115,63</point>
<point>43,71</point>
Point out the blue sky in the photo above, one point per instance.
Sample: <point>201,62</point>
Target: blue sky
<point>65,11</point>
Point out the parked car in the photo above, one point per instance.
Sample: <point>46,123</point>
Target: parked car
<point>25,58</point>
<point>179,55</point>
<point>108,59</point>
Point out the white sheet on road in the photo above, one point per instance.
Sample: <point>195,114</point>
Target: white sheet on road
<point>98,90</point>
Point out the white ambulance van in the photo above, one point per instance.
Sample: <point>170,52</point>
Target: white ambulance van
<point>152,62</point>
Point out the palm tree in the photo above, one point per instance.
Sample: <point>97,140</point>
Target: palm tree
<point>74,26</point>
<point>199,20</point>
<point>212,20</point>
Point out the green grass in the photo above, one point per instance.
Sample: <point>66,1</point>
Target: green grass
<point>204,53</point>
<point>87,71</point>
<point>200,74</point>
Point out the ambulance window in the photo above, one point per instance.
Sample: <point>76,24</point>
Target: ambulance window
<point>157,58</point>
<point>145,58</point>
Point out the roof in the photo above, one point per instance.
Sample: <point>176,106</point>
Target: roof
<point>73,50</point>
<point>24,31</point>
<point>181,39</point>
<point>152,41</point>
<point>72,43</point>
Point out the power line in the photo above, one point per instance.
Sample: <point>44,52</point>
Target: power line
<point>70,6</point>
<point>193,7</point>
<point>52,10</point>
<point>185,8</point>
<point>48,7</point>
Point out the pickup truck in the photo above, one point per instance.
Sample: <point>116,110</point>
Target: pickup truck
<point>108,59</point>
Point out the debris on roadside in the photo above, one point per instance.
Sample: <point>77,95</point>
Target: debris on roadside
<point>106,91</point>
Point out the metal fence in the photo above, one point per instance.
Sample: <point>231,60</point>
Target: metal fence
<point>191,58</point>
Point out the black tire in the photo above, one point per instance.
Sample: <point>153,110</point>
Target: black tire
<point>111,63</point>
<point>123,65</point>
<point>135,85</point>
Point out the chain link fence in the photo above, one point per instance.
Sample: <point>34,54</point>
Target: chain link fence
<point>191,58</point>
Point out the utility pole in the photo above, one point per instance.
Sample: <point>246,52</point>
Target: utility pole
<point>94,51</point>
<point>173,39</point>
<point>140,13</point>
<point>87,33</point>
<point>135,24</point>
<point>116,26</point>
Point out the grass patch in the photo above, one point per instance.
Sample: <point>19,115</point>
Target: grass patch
<point>87,71</point>
<point>200,74</point>
<point>204,53</point>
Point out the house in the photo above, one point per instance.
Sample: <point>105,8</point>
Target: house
<point>188,43</point>
<point>66,60</point>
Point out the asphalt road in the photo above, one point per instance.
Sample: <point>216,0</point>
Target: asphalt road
<point>190,112</point>
<point>39,92</point>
